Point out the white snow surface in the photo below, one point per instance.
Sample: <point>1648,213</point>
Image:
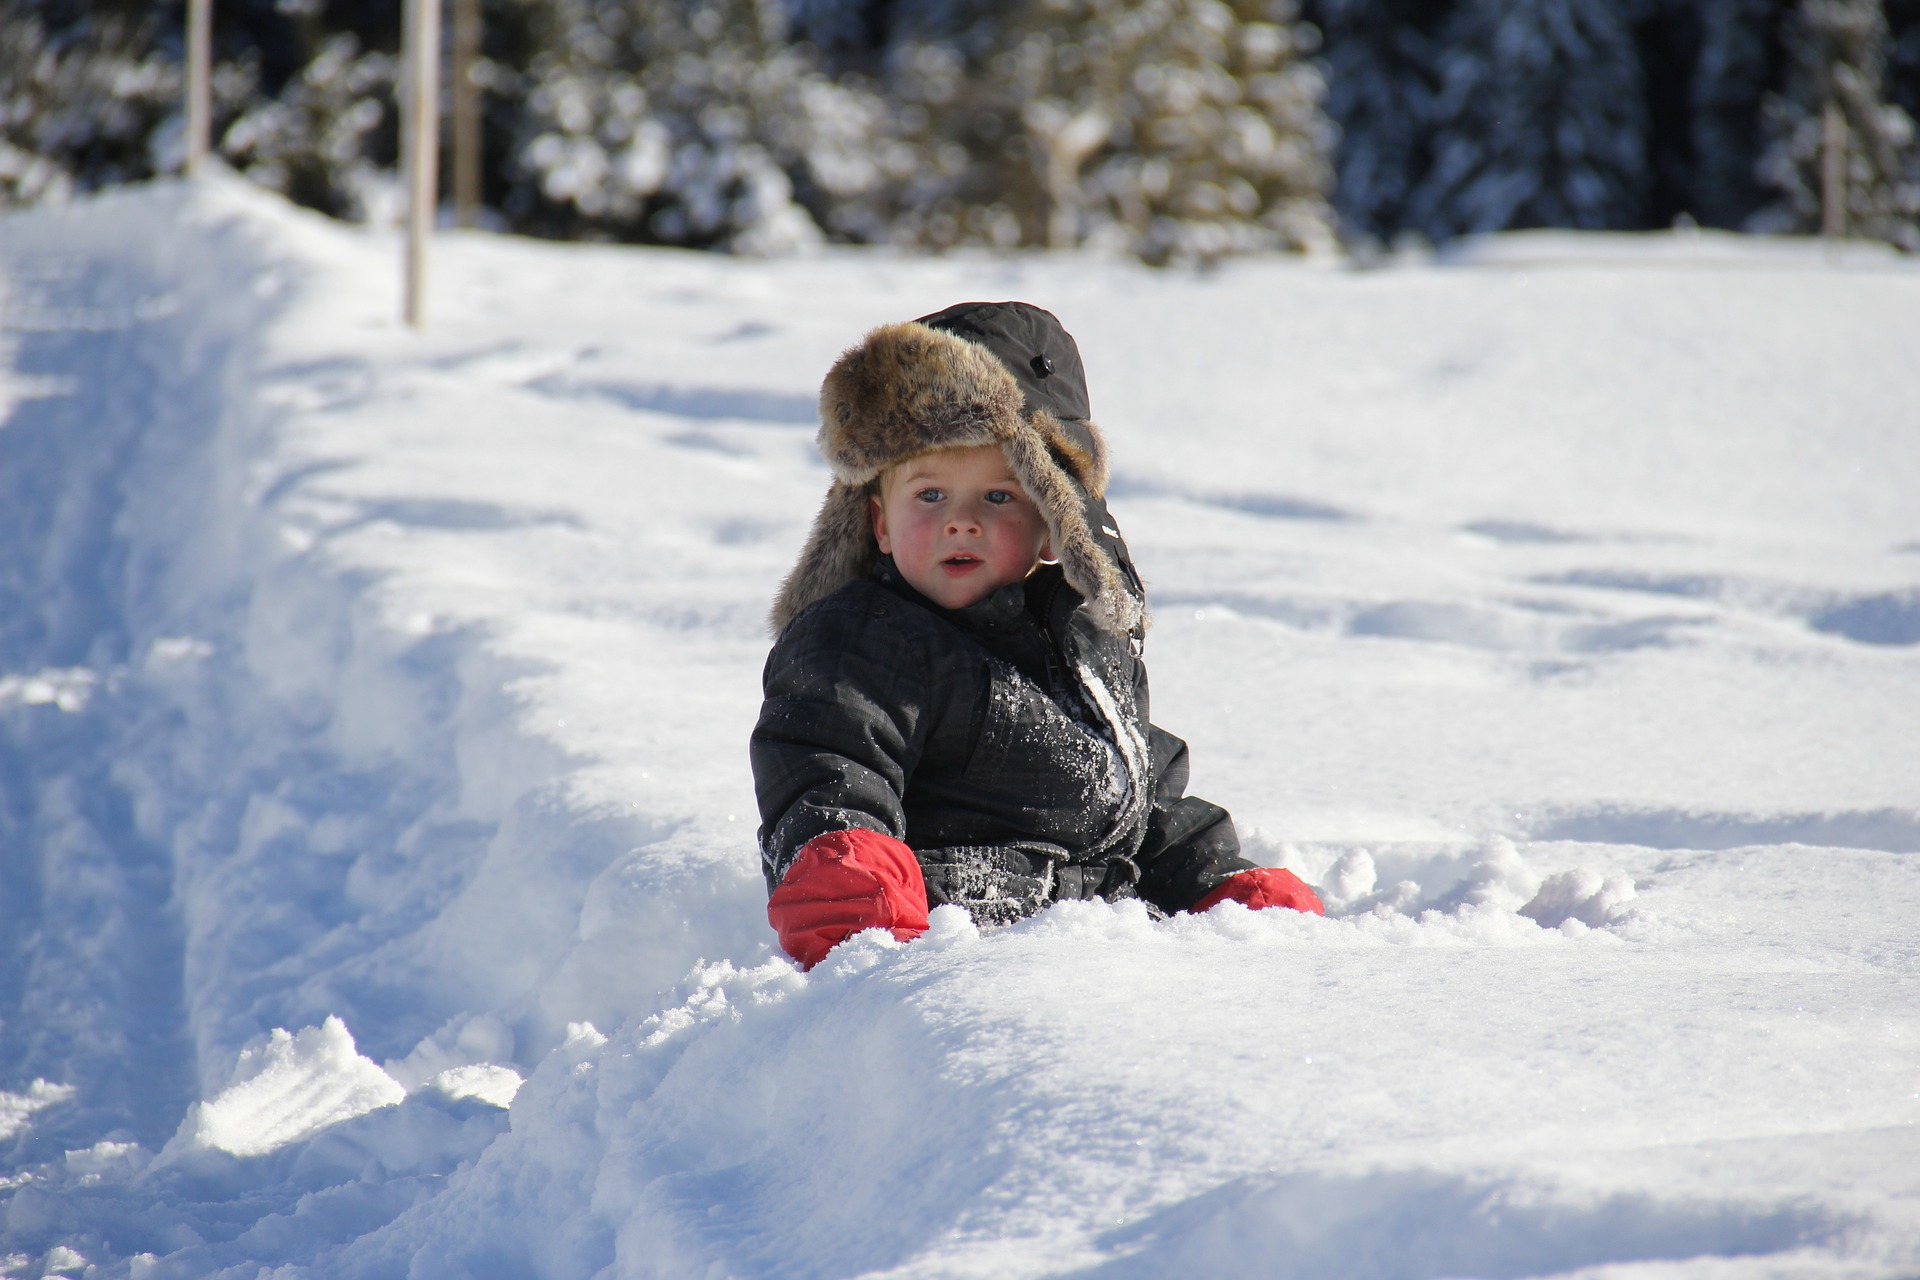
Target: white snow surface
<point>377,853</point>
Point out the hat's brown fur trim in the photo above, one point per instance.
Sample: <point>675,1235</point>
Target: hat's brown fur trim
<point>908,389</point>
<point>839,549</point>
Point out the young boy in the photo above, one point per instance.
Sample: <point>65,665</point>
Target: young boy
<point>956,710</point>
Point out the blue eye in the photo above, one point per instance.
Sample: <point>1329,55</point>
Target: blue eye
<point>930,495</point>
<point>999,497</point>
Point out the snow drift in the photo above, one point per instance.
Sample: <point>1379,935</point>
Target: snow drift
<point>379,888</point>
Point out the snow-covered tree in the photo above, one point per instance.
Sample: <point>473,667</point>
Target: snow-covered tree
<point>1903,55</point>
<point>329,139</point>
<point>1541,120</point>
<point>1737,61</point>
<point>84,91</point>
<point>1383,78</point>
<point>1836,88</point>
<point>688,123</point>
<point>1173,129</point>
<point>849,34</point>
<point>91,94</point>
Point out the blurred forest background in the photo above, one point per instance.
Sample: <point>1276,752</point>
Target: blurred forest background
<point>1174,130</point>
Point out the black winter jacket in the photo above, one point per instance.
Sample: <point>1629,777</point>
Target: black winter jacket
<point>1006,743</point>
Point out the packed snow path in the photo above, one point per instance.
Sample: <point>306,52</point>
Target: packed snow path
<point>376,839</point>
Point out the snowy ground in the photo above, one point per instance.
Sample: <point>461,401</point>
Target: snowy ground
<point>373,711</point>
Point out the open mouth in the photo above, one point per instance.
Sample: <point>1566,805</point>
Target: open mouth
<point>960,563</point>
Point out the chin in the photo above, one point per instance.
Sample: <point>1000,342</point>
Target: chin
<point>947,596</point>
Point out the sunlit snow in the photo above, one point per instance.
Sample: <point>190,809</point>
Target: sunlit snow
<point>379,888</point>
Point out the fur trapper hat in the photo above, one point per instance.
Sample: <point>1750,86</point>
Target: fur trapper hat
<point>1002,373</point>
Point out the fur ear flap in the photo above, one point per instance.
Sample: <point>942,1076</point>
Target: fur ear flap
<point>1079,445</point>
<point>1087,566</point>
<point>839,549</point>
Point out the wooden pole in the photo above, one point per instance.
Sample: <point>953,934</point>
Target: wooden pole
<point>199,83</point>
<point>466,112</point>
<point>420,137</point>
<point>1833,173</point>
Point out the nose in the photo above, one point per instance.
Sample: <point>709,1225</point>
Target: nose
<point>964,518</point>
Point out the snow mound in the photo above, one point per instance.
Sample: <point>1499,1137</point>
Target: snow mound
<point>288,1089</point>
<point>17,1109</point>
<point>1549,610</point>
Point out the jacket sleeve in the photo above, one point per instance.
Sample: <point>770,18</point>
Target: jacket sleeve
<point>840,732</point>
<point>1191,847</point>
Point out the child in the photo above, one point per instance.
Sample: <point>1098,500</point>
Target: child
<point>956,710</point>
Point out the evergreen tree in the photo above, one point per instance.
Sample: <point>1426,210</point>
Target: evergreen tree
<point>849,35</point>
<point>1903,56</point>
<point>1669,40</point>
<point>83,91</point>
<point>1172,129</point>
<point>1383,76</point>
<point>91,93</point>
<point>1541,120</point>
<point>688,123</point>
<point>330,139</point>
<point>1739,60</point>
<point>305,100</point>
<point>1837,52</point>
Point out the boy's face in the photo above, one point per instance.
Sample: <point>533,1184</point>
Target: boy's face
<point>958,524</point>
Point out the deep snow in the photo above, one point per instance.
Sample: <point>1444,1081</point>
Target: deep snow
<point>372,722</point>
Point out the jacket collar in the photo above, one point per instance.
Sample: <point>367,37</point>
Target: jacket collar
<point>1044,591</point>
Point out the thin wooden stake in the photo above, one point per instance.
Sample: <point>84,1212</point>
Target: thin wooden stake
<point>420,136</point>
<point>1833,173</point>
<point>466,112</point>
<point>199,83</point>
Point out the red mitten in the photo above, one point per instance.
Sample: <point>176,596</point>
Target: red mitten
<point>1264,887</point>
<point>843,882</point>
